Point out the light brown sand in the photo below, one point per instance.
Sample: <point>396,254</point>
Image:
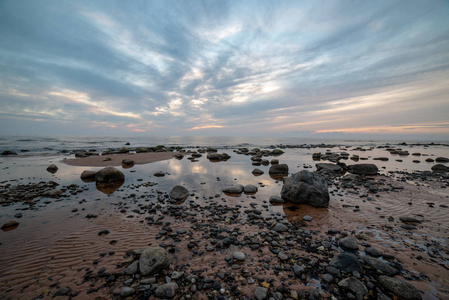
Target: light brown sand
<point>116,159</point>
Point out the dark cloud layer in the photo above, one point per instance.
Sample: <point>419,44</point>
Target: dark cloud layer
<point>224,67</point>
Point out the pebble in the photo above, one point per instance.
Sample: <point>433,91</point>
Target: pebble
<point>237,255</point>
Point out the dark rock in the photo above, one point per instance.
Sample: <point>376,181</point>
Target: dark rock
<point>126,291</point>
<point>88,175</point>
<point>235,189</point>
<point>132,268</point>
<point>8,152</point>
<point>167,290</point>
<point>276,200</point>
<point>298,270</point>
<point>279,227</point>
<point>328,167</point>
<point>442,159</point>
<point>179,193</point>
<point>305,187</point>
<point>109,174</point>
<point>9,225</point>
<point>123,150</point>
<point>278,169</point>
<point>274,161</point>
<point>406,219</point>
<point>379,266</point>
<point>400,288</point>
<point>354,285</point>
<point>52,168</point>
<point>363,169</point>
<point>349,243</point>
<point>237,255</point>
<point>346,262</point>
<point>153,260</point>
<point>372,252</point>
<point>257,172</point>
<point>128,162</point>
<point>142,150</point>
<point>440,168</point>
<point>159,174</point>
<point>250,189</point>
<point>64,291</point>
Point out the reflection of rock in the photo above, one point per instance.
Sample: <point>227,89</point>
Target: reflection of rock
<point>88,176</point>
<point>306,188</point>
<point>109,187</point>
<point>109,174</point>
<point>52,168</point>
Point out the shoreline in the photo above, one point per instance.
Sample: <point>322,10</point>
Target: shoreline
<point>116,159</point>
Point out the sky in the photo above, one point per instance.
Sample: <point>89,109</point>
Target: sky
<point>224,68</point>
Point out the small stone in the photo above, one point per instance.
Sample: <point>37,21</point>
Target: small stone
<point>127,291</point>
<point>167,290</point>
<point>279,227</point>
<point>307,218</point>
<point>349,243</point>
<point>276,200</point>
<point>372,252</point>
<point>240,256</point>
<point>64,291</point>
<point>11,224</point>
<point>260,293</point>
<point>132,268</point>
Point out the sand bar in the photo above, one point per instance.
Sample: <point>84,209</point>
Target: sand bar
<point>116,159</point>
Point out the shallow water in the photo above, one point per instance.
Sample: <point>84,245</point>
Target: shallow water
<point>54,245</point>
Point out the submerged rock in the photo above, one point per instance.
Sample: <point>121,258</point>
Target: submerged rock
<point>306,188</point>
<point>153,260</point>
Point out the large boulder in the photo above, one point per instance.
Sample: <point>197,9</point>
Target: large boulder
<point>306,188</point>
<point>179,193</point>
<point>88,175</point>
<point>109,174</point>
<point>153,260</point>
<point>363,169</point>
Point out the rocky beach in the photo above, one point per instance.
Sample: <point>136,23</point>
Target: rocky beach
<point>298,221</point>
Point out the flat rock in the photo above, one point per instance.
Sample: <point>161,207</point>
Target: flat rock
<point>363,169</point>
<point>399,288</point>
<point>349,243</point>
<point>379,266</point>
<point>328,167</point>
<point>306,187</point>
<point>442,159</point>
<point>406,219</point>
<point>234,189</point>
<point>179,193</point>
<point>153,260</point>
<point>346,262</point>
<point>167,290</point>
<point>132,268</point>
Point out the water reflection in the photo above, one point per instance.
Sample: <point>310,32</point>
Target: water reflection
<point>109,187</point>
<point>298,211</point>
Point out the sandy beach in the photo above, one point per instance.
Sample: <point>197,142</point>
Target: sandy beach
<point>79,239</point>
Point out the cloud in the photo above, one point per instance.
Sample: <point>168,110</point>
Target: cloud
<point>225,66</point>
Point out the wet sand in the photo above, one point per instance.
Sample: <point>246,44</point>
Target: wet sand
<point>116,159</point>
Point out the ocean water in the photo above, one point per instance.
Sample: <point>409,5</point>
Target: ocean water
<point>55,144</point>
